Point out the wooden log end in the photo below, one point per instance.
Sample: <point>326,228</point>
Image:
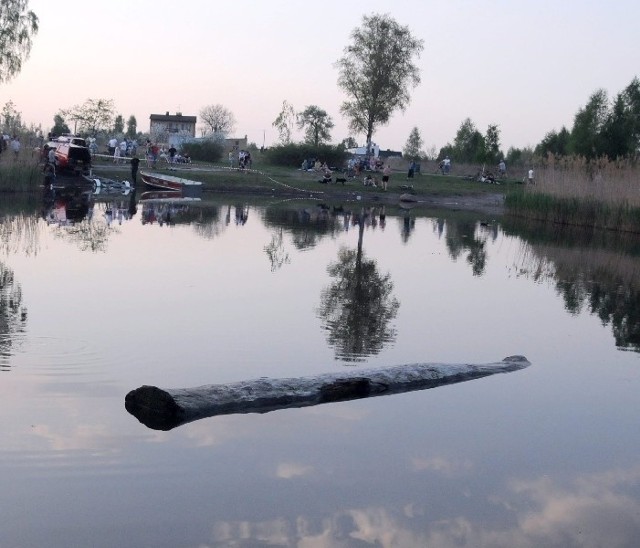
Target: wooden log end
<point>154,408</point>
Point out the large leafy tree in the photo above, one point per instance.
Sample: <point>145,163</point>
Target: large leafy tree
<point>18,25</point>
<point>469,144</point>
<point>588,124</point>
<point>317,125</point>
<point>218,119</point>
<point>377,71</point>
<point>554,142</point>
<point>59,125</point>
<point>92,116</point>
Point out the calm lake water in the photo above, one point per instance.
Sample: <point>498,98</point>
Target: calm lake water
<point>181,295</point>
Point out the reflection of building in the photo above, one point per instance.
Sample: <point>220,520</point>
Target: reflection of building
<point>172,123</point>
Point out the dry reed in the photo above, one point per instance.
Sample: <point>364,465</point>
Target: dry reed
<point>613,182</point>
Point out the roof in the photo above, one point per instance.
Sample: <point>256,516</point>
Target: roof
<point>172,118</point>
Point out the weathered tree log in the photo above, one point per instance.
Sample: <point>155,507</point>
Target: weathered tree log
<point>165,409</point>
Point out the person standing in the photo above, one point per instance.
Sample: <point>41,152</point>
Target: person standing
<point>15,146</point>
<point>135,162</point>
<point>412,170</point>
<point>51,156</point>
<point>172,154</point>
<point>154,154</point>
<point>502,169</point>
<point>113,143</point>
<point>530,178</point>
<point>386,172</point>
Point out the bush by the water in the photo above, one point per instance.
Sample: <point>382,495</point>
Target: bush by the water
<point>294,154</point>
<point>204,151</point>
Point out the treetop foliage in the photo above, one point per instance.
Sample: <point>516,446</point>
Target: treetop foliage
<point>603,127</point>
<point>317,125</point>
<point>18,25</point>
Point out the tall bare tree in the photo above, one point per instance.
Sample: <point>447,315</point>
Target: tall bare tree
<point>284,122</point>
<point>18,25</point>
<point>377,72</point>
<point>218,119</point>
<point>92,116</point>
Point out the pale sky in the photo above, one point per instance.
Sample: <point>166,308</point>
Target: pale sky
<point>524,65</point>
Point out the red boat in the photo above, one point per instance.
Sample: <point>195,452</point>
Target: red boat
<point>169,182</point>
<point>72,154</point>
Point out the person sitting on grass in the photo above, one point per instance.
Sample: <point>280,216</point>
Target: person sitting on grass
<point>326,177</point>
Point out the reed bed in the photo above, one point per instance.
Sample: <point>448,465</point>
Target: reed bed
<point>572,190</point>
<point>601,180</point>
<point>20,174</point>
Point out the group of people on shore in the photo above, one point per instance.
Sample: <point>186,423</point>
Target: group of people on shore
<point>122,149</point>
<point>354,166</point>
<point>9,142</point>
<point>240,158</point>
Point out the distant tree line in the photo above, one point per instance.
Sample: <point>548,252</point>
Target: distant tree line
<point>602,127</point>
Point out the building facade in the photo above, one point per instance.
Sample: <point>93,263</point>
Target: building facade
<point>172,124</point>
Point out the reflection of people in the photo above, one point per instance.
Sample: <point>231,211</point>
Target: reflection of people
<point>49,171</point>
<point>133,208</point>
<point>135,162</point>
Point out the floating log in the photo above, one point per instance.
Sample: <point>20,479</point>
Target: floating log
<point>165,409</point>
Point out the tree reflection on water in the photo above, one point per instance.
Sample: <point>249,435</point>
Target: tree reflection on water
<point>13,315</point>
<point>358,306</point>
<point>462,236</point>
<point>594,271</point>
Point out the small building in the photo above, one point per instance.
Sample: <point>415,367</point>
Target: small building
<point>362,151</point>
<point>386,154</point>
<point>235,144</point>
<point>172,123</point>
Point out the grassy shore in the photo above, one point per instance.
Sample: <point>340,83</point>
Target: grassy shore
<point>268,179</point>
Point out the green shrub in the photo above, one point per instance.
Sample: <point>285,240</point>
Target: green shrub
<point>204,151</point>
<point>294,154</point>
